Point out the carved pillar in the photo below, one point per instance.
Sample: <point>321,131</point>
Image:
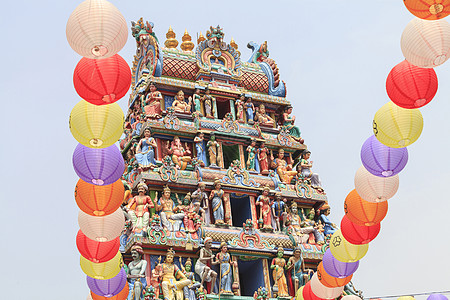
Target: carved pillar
<point>232,110</point>
<point>220,162</point>
<point>148,270</point>
<point>266,271</point>
<point>214,104</point>
<point>253,210</point>
<point>242,156</point>
<point>227,206</point>
<point>236,275</point>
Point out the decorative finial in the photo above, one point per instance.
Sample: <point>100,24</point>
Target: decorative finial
<point>171,42</point>
<point>200,38</point>
<point>186,45</point>
<point>233,44</point>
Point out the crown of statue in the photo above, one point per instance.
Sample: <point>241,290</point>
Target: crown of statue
<point>137,248</point>
<point>166,188</point>
<point>188,195</point>
<point>216,181</point>
<point>170,252</point>
<point>142,185</point>
<point>324,206</point>
<point>294,205</point>
<point>223,244</point>
<point>266,188</point>
<point>280,249</point>
<point>188,262</point>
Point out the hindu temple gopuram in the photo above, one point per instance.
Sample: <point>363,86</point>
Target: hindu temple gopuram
<point>222,200</point>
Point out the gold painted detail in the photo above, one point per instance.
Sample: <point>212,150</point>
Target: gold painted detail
<point>187,44</point>
<point>171,42</point>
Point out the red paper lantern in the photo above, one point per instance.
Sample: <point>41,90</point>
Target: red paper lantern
<point>120,296</point>
<point>97,252</point>
<point>362,212</point>
<point>357,234</point>
<point>102,81</point>
<point>428,9</point>
<point>308,293</point>
<point>330,281</point>
<point>409,86</point>
<point>99,200</point>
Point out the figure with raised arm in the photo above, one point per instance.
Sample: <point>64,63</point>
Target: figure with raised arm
<point>328,226</point>
<point>172,279</point>
<point>189,290</point>
<point>288,122</point>
<point>140,215</point>
<point>283,169</point>
<point>204,262</point>
<point>180,156</point>
<point>180,105</point>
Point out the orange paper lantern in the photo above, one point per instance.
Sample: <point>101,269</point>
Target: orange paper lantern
<point>120,296</point>
<point>99,200</point>
<point>362,212</point>
<point>428,9</point>
<point>330,281</point>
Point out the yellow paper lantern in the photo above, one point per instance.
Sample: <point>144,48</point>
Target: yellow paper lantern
<point>344,251</point>
<point>103,271</point>
<point>397,127</point>
<point>96,126</point>
<point>96,29</point>
<point>299,294</point>
<point>406,298</point>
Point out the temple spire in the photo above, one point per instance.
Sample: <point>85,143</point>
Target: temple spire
<point>171,42</point>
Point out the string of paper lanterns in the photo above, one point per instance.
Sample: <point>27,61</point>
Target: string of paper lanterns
<point>411,84</point>
<point>97,31</point>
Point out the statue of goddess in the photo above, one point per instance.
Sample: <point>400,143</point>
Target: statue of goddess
<point>305,170</point>
<point>179,105</point>
<point>278,266</point>
<point>203,265</point>
<point>189,290</point>
<point>251,159</point>
<point>263,118</point>
<point>265,212</point>
<point>198,140</point>
<point>239,104</point>
<point>152,103</point>
<point>289,121</point>
<point>250,110</point>
<point>226,275</point>
<point>199,196</point>
<point>216,197</point>
<point>296,267</point>
<point>208,102</point>
<point>197,101</point>
<point>263,159</point>
<point>145,150</point>
<point>213,147</point>
<point>136,273</point>
<point>283,169</point>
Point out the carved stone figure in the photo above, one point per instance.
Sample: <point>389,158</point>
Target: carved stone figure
<point>265,204</point>
<point>305,170</point>
<point>152,103</point>
<point>199,147</point>
<point>208,103</point>
<point>278,210</point>
<point>250,110</point>
<point>189,290</point>
<point>197,99</point>
<point>288,123</point>
<point>263,159</point>
<point>296,267</point>
<point>251,159</point>
<point>140,215</point>
<point>145,150</point>
<point>213,147</point>
<point>136,273</point>
<point>165,206</point>
<point>180,105</point>
<point>180,156</point>
<point>263,118</point>
<point>216,197</point>
<point>301,229</point>
<point>278,266</point>
<point>199,196</point>
<point>203,265</point>
<point>226,274</point>
<point>172,279</point>
<point>328,226</point>
<point>283,169</point>
<point>239,104</point>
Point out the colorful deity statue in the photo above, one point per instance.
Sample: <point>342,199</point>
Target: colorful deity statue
<point>180,156</point>
<point>299,275</point>
<point>283,169</point>
<point>250,110</point>
<point>145,150</point>
<point>288,123</point>
<point>199,196</point>
<point>239,104</point>
<point>191,220</point>
<point>263,158</point>
<point>278,266</point>
<point>217,203</point>
<point>197,99</point>
<point>136,273</point>
<point>278,210</point>
<point>308,220</point>
<point>263,118</point>
<point>204,262</point>
<point>263,53</point>
<point>226,273</point>
<point>213,147</point>
<point>301,229</point>
<point>169,220</point>
<point>328,226</point>
<point>189,290</point>
<point>172,279</point>
<point>156,278</point>
<point>199,146</point>
<point>304,170</point>
<point>152,103</point>
<point>265,204</point>
<point>180,105</point>
<point>140,215</point>
<point>208,103</point>
<point>251,159</point>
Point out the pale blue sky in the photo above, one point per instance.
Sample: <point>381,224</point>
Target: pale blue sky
<point>334,56</point>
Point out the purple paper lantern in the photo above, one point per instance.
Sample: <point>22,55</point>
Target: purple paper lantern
<point>381,160</point>
<point>108,287</point>
<point>98,166</point>
<point>437,297</point>
<point>337,268</point>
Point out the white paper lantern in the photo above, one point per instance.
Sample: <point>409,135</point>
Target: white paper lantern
<point>96,29</point>
<point>426,44</point>
<point>102,229</point>
<point>351,297</point>
<point>324,292</point>
<point>373,188</point>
